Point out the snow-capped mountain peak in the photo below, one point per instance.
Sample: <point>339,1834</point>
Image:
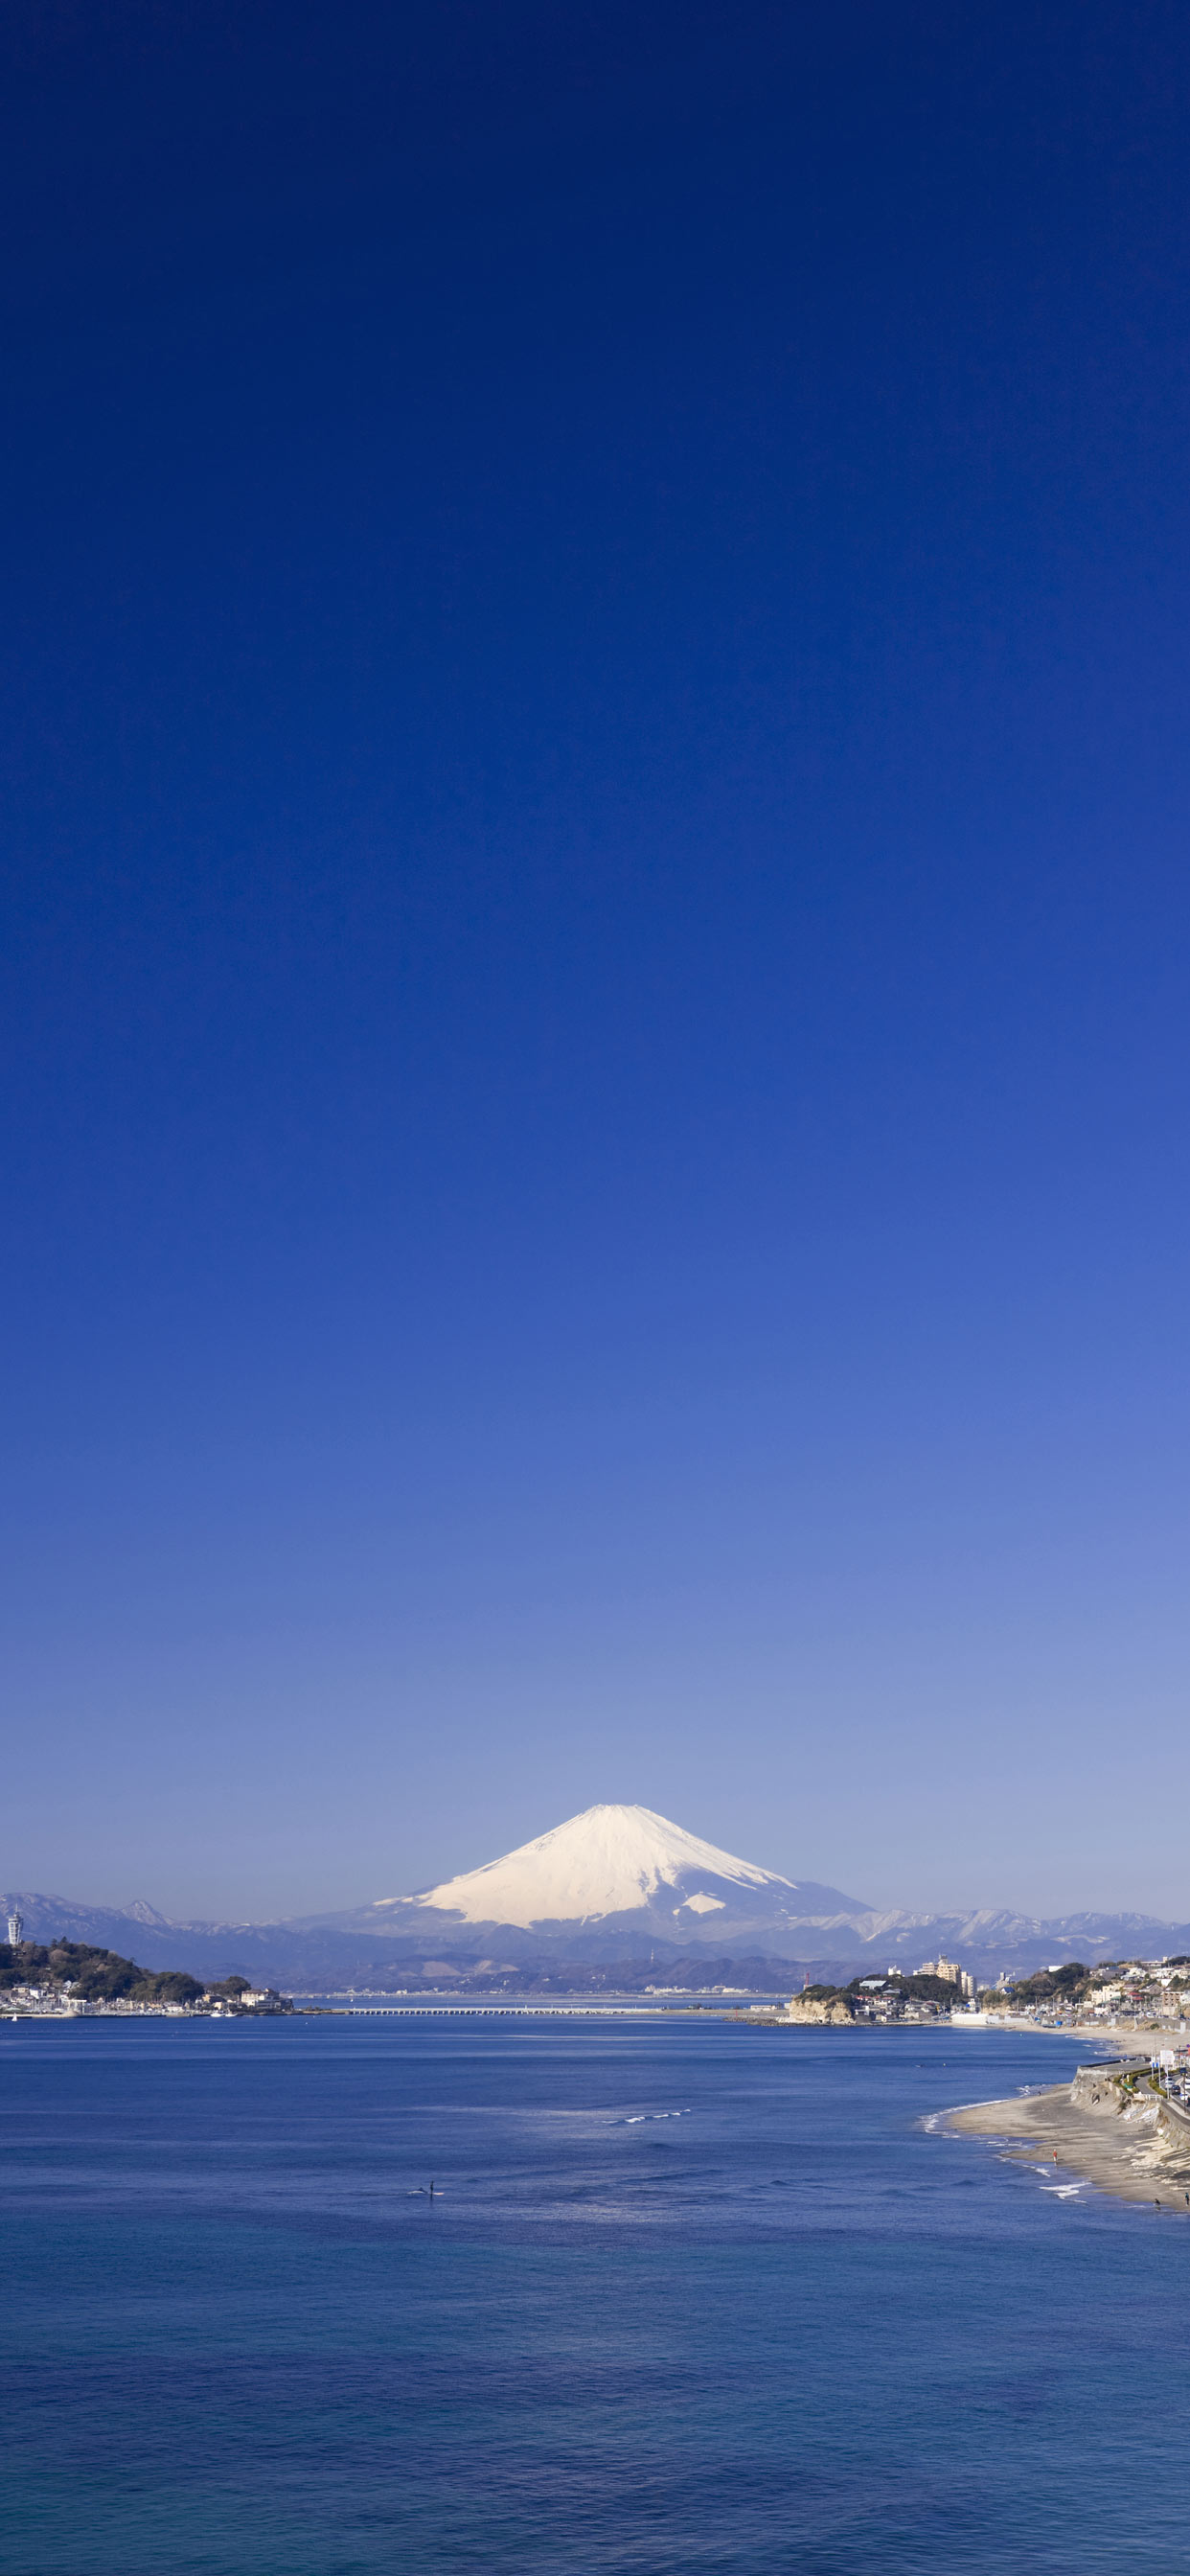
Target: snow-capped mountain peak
<point>610,1861</point>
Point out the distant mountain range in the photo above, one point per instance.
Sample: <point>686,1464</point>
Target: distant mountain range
<point>618,1896</point>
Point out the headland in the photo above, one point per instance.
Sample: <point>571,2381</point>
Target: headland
<point>66,1978</point>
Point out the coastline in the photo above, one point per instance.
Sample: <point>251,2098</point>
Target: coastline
<point>1123,2034</point>
<point>1137,2149</point>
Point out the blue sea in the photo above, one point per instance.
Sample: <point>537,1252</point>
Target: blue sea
<point>689,2300</point>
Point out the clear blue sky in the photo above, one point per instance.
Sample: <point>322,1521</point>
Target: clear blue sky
<point>595,955</point>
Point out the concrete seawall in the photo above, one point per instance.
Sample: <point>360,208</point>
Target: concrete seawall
<point>1121,2091</point>
<point>1101,2088</point>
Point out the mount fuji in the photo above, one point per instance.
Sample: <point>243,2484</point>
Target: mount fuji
<point>611,1897</point>
<point>609,1875</point>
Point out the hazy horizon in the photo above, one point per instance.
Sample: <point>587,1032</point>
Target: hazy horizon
<point>957,1902</point>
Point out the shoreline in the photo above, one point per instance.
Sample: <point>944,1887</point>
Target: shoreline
<point>1097,2034</point>
<point>1137,2149</point>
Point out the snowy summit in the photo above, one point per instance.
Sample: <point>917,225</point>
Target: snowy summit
<point>624,1866</point>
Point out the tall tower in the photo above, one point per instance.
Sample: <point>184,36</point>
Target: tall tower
<point>15,1926</point>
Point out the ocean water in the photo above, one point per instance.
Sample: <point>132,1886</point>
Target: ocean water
<point>689,2301</point>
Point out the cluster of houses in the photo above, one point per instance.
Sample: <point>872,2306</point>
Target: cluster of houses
<point>1142,1993</point>
<point>57,2003</point>
<point>1146,1994</point>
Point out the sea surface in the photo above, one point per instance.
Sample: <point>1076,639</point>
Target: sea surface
<point>690,2300</point>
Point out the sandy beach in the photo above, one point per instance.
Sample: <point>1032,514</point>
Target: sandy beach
<point>1140,2152</point>
<point>1125,2038</point>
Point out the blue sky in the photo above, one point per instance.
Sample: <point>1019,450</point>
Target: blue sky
<point>596,943</point>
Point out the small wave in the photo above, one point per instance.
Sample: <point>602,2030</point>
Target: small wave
<point>637,2119</point>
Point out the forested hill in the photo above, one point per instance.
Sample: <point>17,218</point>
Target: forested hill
<point>77,1972</point>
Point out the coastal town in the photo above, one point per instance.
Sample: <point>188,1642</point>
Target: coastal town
<point>66,1979</point>
<point>1114,1998</point>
